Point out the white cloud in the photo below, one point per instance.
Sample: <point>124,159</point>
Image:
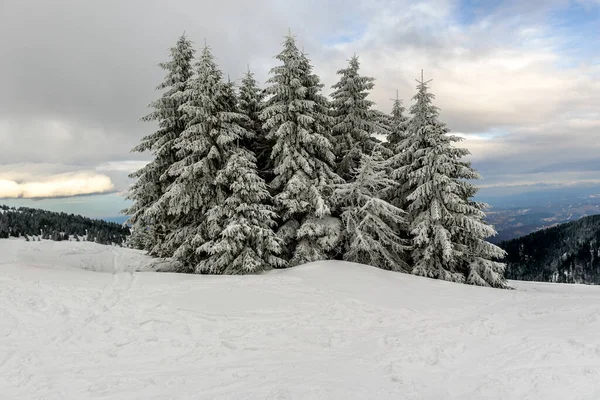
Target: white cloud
<point>62,185</point>
<point>477,87</point>
<point>128,166</point>
<point>557,179</point>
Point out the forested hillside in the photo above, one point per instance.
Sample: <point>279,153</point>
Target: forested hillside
<point>567,253</point>
<point>34,223</point>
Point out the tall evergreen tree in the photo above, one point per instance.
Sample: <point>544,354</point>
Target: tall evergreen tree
<point>301,155</point>
<point>355,122</point>
<point>397,123</point>
<point>314,92</point>
<point>244,241</point>
<point>251,104</point>
<point>447,226</point>
<point>152,180</point>
<point>372,224</point>
<point>203,148</point>
<point>229,99</point>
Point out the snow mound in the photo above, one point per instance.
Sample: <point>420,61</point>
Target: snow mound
<point>76,256</point>
<point>320,331</point>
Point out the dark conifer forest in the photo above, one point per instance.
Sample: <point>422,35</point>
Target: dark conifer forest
<point>567,253</point>
<point>35,224</point>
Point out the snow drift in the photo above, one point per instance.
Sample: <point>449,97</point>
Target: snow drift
<point>321,331</point>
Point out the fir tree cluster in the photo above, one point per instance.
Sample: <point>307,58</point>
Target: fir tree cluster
<point>244,179</point>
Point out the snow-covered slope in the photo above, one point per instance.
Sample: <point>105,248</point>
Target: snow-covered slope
<point>328,330</point>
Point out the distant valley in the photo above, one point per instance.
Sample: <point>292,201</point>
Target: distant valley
<point>517,222</point>
<point>514,216</point>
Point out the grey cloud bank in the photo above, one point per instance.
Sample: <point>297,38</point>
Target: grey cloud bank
<point>76,76</point>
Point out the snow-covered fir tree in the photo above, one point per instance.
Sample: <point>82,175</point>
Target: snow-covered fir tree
<point>244,241</point>
<point>314,92</point>
<point>229,98</point>
<point>302,158</point>
<point>371,224</point>
<point>151,180</point>
<point>251,103</point>
<point>397,123</point>
<point>354,120</point>
<point>203,149</point>
<point>140,240</point>
<point>446,224</point>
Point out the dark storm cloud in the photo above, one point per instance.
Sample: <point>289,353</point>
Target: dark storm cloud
<point>76,75</point>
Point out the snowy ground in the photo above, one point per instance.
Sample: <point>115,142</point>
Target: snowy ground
<point>327,330</point>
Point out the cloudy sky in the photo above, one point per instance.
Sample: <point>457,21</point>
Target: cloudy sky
<point>518,79</point>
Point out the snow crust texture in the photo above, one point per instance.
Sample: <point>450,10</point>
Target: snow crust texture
<point>77,321</point>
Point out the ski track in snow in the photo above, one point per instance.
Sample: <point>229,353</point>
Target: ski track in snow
<point>78,322</point>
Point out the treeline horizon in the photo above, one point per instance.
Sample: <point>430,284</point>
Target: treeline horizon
<point>34,223</point>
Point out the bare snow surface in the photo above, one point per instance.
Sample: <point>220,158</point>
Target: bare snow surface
<point>328,330</point>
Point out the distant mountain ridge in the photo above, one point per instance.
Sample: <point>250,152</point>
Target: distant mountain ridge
<point>566,253</point>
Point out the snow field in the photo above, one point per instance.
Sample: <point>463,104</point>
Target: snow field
<point>78,322</point>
